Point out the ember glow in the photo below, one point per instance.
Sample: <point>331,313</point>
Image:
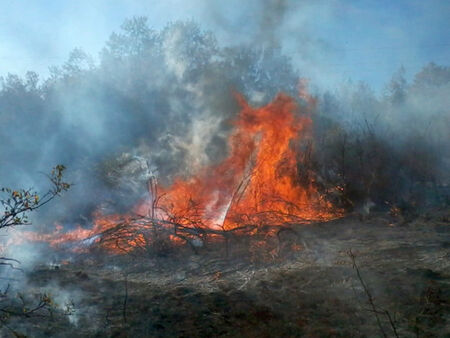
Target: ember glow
<point>257,184</point>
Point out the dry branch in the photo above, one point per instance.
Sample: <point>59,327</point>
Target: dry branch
<point>374,309</point>
<point>136,234</point>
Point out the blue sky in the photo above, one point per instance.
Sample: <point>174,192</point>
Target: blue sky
<point>329,40</point>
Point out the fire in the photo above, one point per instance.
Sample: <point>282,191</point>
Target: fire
<point>257,184</point>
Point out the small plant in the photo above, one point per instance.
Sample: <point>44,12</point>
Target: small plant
<point>18,203</point>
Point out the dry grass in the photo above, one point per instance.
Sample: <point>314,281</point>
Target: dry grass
<point>307,288</point>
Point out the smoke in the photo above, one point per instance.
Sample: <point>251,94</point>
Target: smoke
<point>166,96</point>
<point>159,101</point>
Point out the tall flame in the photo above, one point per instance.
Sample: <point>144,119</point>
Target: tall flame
<point>257,184</point>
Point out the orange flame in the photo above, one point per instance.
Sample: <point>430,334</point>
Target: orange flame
<point>258,183</point>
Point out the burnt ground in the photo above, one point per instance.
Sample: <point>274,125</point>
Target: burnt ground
<point>300,284</point>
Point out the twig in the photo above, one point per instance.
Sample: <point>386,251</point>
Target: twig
<point>124,308</point>
<point>391,321</point>
<point>247,279</point>
<point>368,294</point>
<point>6,261</point>
<point>371,300</point>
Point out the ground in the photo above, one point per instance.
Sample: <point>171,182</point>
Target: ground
<point>302,283</point>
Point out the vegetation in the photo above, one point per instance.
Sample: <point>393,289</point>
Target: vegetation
<point>158,103</point>
<point>155,94</point>
<point>16,206</point>
<point>18,203</point>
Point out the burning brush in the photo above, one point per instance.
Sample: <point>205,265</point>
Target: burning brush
<point>256,188</point>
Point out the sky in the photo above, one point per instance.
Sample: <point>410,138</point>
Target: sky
<point>329,41</point>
